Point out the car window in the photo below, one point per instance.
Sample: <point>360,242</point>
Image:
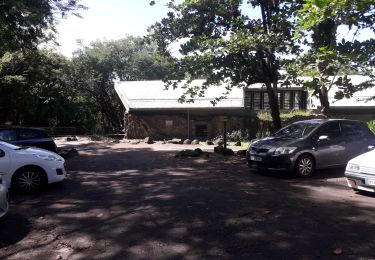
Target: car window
<point>26,134</point>
<point>297,130</point>
<point>7,135</point>
<point>331,129</point>
<point>352,129</point>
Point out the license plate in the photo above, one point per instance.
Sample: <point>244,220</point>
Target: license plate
<point>256,158</point>
<point>370,182</point>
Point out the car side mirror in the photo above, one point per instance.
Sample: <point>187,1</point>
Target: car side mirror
<point>323,138</point>
<point>370,147</point>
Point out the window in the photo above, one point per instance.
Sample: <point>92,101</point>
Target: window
<point>257,100</point>
<point>354,129</point>
<point>26,134</point>
<point>201,131</point>
<point>168,123</point>
<point>7,135</point>
<point>287,99</point>
<point>332,130</point>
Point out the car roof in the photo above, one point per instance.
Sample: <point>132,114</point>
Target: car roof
<point>321,121</point>
<point>22,128</point>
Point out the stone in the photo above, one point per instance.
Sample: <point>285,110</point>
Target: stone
<point>238,143</point>
<point>148,140</point>
<point>71,139</point>
<point>135,142</point>
<point>68,153</point>
<point>187,153</point>
<point>187,141</point>
<point>241,153</point>
<point>227,151</point>
<point>199,150</point>
<point>176,141</point>
<point>219,141</point>
<point>218,149</point>
<point>195,141</point>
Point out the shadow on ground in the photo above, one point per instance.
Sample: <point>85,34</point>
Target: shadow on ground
<point>143,204</point>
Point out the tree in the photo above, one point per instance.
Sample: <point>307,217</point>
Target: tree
<point>24,24</point>
<point>222,44</point>
<point>327,58</point>
<point>97,66</point>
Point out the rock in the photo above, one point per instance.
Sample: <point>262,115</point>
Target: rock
<point>227,151</point>
<point>218,149</point>
<point>187,153</point>
<point>176,141</point>
<point>135,142</point>
<point>219,141</point>
<point>148,140</point>
<point>187,141</point>
<point>241,153</point>
<point>195,141</point>
<point>209,142</point>
<point>238,143</point>
<point>59,257</point>
<point>199,150</point>
<point>68,153</point>
<point>71,139</point>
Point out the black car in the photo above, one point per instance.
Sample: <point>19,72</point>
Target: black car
<point>307,145</point>
<point>25,136</point>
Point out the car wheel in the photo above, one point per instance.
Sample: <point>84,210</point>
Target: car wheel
<point>29,180</point>
<point>304,166</point>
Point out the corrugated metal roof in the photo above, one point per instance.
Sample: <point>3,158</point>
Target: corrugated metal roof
<point>143,95</point>
<point>360,99</point>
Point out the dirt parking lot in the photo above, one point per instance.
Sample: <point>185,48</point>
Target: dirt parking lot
<point>124,201</point>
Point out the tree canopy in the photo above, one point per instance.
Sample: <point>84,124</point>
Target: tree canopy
<point>224,44</point>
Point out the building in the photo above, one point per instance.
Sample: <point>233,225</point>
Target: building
<point>151,110</point>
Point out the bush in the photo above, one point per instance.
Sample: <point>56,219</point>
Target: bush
<point>371,125</point>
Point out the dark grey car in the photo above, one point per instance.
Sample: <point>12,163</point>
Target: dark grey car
<point>28,136</point>
<point>307,145</point>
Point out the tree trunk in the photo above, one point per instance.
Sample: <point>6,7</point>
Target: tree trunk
<point>324,102</point>
<point>274,106</point>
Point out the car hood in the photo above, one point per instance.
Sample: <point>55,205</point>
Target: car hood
<point>366,159</point>
<point>37,151</point>
<point>273,141</point>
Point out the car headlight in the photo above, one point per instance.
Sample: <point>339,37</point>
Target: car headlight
<point>284,150</point>
<point>48,157</point>
<point>352,167</point>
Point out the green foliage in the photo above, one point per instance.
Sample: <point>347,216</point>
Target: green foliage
<point>328,59</point>
<point>25,23</point>
<point>371,125</point>
<point>265,116</point>
<point>223,45</point>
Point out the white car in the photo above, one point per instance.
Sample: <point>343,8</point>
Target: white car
<point>4,197</point>
<point>29,169</point>
<point>360,172</point>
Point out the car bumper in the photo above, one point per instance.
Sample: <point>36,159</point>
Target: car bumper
<point>359,181</point>
<point>4,200</point>
<point>56,172</point>
<point>271,162</point>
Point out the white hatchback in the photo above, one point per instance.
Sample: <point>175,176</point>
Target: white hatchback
<point>29,169</point>
<point>360,172</point>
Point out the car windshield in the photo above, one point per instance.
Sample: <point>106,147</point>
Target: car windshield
<point>10,146</point>
<point>297,130</point>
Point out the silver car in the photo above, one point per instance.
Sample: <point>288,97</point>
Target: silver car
<point>4,197</point>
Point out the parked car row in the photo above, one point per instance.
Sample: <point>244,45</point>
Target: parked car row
<point>24,168</point>
<point>305,146</point>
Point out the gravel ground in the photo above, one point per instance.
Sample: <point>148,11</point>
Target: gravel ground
<point>124,201</point>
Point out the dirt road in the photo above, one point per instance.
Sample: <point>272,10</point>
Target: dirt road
<point>123,201</point>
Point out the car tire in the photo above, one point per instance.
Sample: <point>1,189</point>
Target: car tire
<point>304,166</point>
<point>29,180</point>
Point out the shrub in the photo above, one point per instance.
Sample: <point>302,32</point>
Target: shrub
<point>371,125</point>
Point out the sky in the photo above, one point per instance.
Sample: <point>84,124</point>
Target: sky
<point>115,19</point>
<point>108,19</point>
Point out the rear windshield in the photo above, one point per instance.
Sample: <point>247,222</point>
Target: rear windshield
<point>297,130</point>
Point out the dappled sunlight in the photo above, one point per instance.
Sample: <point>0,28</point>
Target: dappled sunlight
<point>146,204</point>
